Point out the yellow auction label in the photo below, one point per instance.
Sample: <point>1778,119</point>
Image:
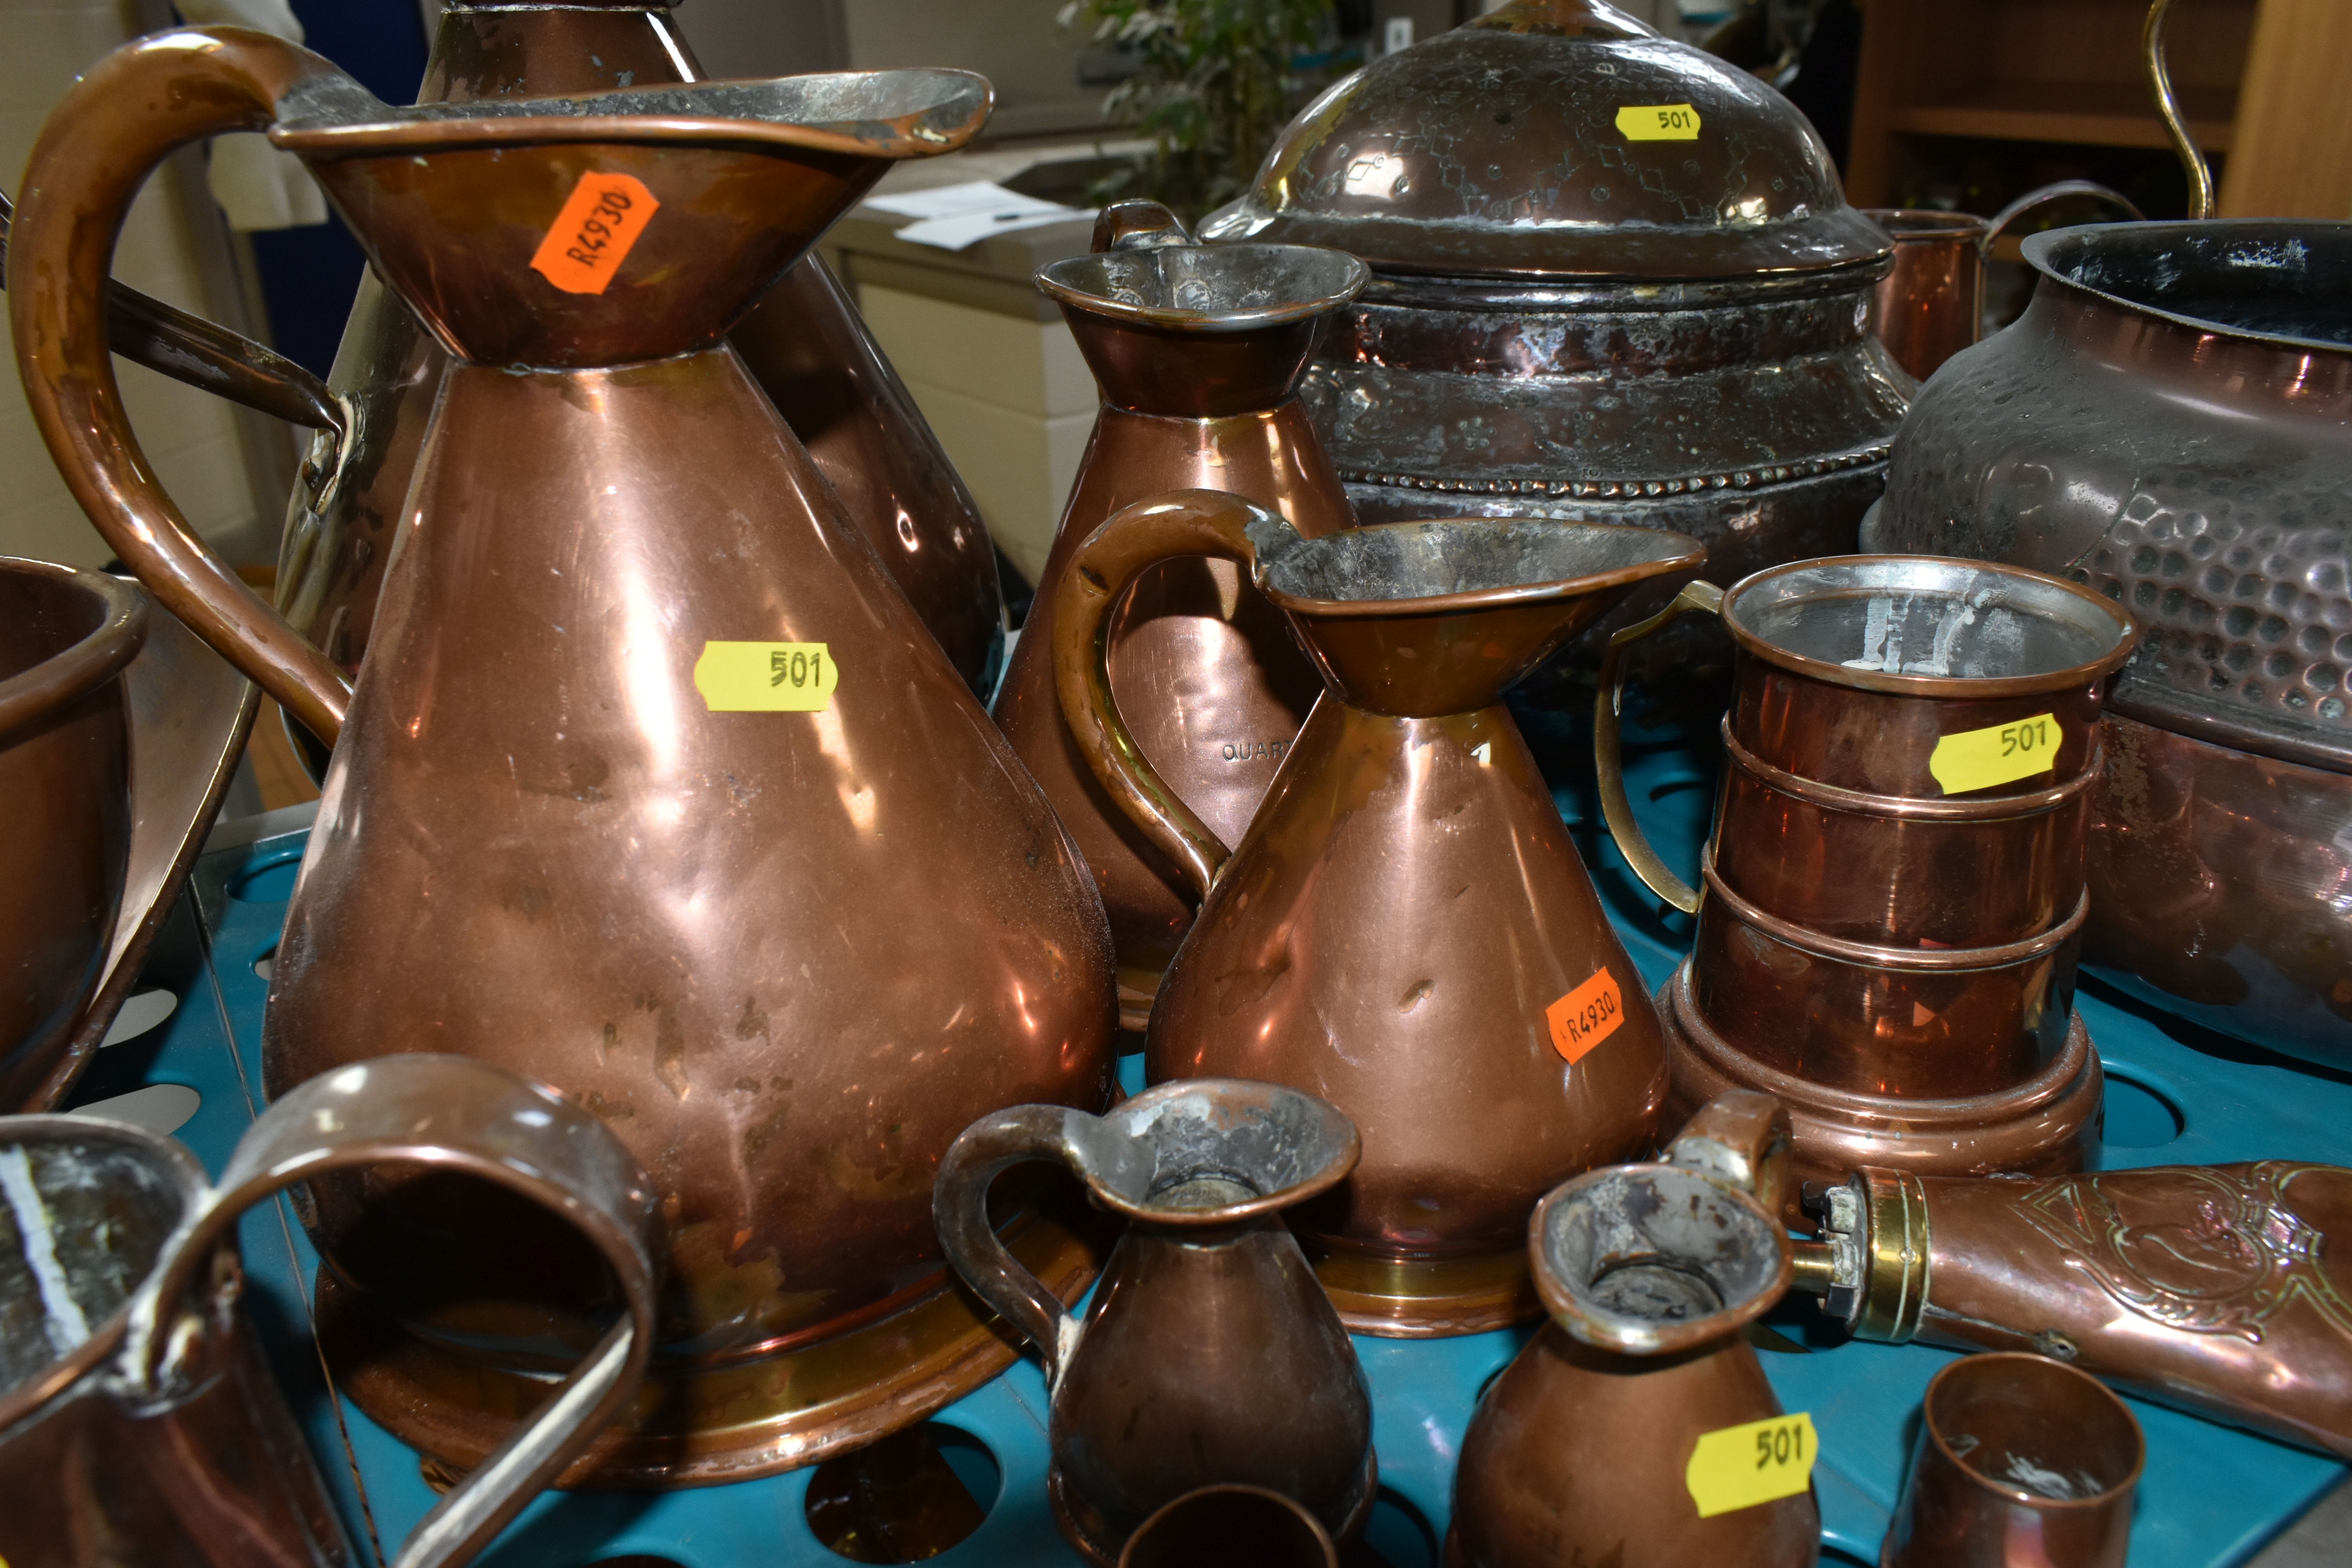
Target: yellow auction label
<point>766,677</point>
<point>1658,122</point>
<point>1740,1467</point>
<point>1996,755</point>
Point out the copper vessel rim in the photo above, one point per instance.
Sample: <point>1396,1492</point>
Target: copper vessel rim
<point>1971,1112</point>
<point>2037,249</point>
<point>1876,955</point>
<point>1664,1338</point>
<point>1933,685</point>
<point>2034,1500</point>
<point>1923,224</point>
<point>172,1160</point>
<point>90,661</point>
<point>1628,293</point>
<point>466,124</point>
<point>1868,803</point>
<point>1688,557</point>
<point>1349,1150</point>
<point>1172,319</point>
<point>2225,729</point>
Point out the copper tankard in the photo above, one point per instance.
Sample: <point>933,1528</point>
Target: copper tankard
<point>137,1421</point>
<point>1895,886</point>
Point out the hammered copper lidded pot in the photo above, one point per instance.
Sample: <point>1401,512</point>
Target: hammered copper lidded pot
<point>654,786</point>
<point>1199,350</point>
<point>1209,1355</point>
<point>1405,930</point>
<point>1893,891</point>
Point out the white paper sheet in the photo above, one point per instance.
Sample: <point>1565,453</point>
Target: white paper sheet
<point>957,217</point>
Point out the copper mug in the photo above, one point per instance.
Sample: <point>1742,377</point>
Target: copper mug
<point>1210,1354</point>
<point>137,1421</point>
<point>1232,1527</point>
<point>1405,929</point>
<point>2022,1462</point>
<point>1894,883</point>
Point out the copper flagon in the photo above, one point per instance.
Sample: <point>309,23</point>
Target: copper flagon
<point>1580,1450</point>
<point>138,1420</point>
<point>1405,930</point>
<point>1210,1354</point>
<point>1198,351</point>
<point>1895,886</point>
<point>787,942</point>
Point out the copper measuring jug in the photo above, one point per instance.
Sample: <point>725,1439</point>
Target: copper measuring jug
<point>1210,1354</point>
<point>1199,350</point>
<point>138,1420</point>
<point>1405,930</point>
<point>1235,1527</point>
<point>1895,885</point>
<point>2022,1462</point>
<point>653,787</point>
<point>1637,1427</point>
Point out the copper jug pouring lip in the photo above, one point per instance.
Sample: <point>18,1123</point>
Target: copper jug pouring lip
<point>1176,1154</point>
<point>1652,1259</point>
<point>98,655</point>
<point>1448,566</point>
<point>2182,272</point>
<point>1207,288</point>
<point>1947,1385</point>
<point>2089,636</point>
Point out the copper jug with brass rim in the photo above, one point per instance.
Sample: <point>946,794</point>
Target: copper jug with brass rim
<point>1405,930</point>
<point>1199,350</point>
<point>653,787</point>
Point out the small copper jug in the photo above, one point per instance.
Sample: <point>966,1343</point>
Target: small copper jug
<point>803,343</point>
<point>2218,1290</point>
<point>66,637</point>
<point>138,1420</point>
<point>654,786</point>
<point>1233,1527</point>
<point>1895,886</point>
<point>1199,350</point>
<point>1209,1355</point>
<point>1405,930</point>
<point>2021,1462</point>
<point>1596,1444</point>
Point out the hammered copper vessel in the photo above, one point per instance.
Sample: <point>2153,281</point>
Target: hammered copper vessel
<point>1235,1527</point>
<point>1198,351</point>
<point>1895,886</point>
<point>654,787</point>
<point>66,637</point>
<point>2218,1290</point>
<point>1614,279</point>
<point>2171,424</point>
<point>138,1420</point>
<point>1210,1354</point>
<point>2022,1462</point>
<point>802,343</point>
<point>1582,1449</point>
<point>1405,930</point>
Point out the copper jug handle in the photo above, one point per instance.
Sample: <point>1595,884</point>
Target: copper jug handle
<point>981,1153</point>
<point>2046,196</point>
<point>97,148</point>
<point>1608,753</point>
<point>1139,225</point>
<point>1161,528</point>
<point>456,1114</point>
<point>2167,109</point>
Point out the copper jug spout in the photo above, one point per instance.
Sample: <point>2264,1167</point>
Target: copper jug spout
<point>2213,1289</point>
<point>1405,929</point>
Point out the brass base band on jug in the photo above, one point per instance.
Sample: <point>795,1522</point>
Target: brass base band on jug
<point>707,1425</point>
<point>1427,1297</point>
<point>2046,1125</point>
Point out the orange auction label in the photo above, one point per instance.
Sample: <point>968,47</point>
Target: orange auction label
<point>1586,1016</point>
<point>595,231</point>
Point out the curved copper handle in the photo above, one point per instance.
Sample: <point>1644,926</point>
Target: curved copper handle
<point>2167,108</point>
<point>1608,752</point>
<point>97,147</point>
<point>2044,196</point>
<point>105,653</point>
<point>981,1153</point>
<point>459,1114</point>
<point>1161,528</point>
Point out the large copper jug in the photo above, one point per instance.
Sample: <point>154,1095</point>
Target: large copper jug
<point>803,343</point>
<point>1405,930</point>
<point>788,914</point>
<point>1199,350</point>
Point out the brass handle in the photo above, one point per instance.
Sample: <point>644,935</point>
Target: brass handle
<point>2045,195</point>
<point>461,1115</point>
<point>2167,108</point>
<point>97,147</point>
<point>1163,528</point>
<point>1607,750</point>
<point>981,1153</point>
<point>1138,224</point>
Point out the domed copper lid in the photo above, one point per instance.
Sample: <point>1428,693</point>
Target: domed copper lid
<point>1556,138</point>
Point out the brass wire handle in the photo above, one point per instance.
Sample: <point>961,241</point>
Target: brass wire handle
<point>2167,106</point>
